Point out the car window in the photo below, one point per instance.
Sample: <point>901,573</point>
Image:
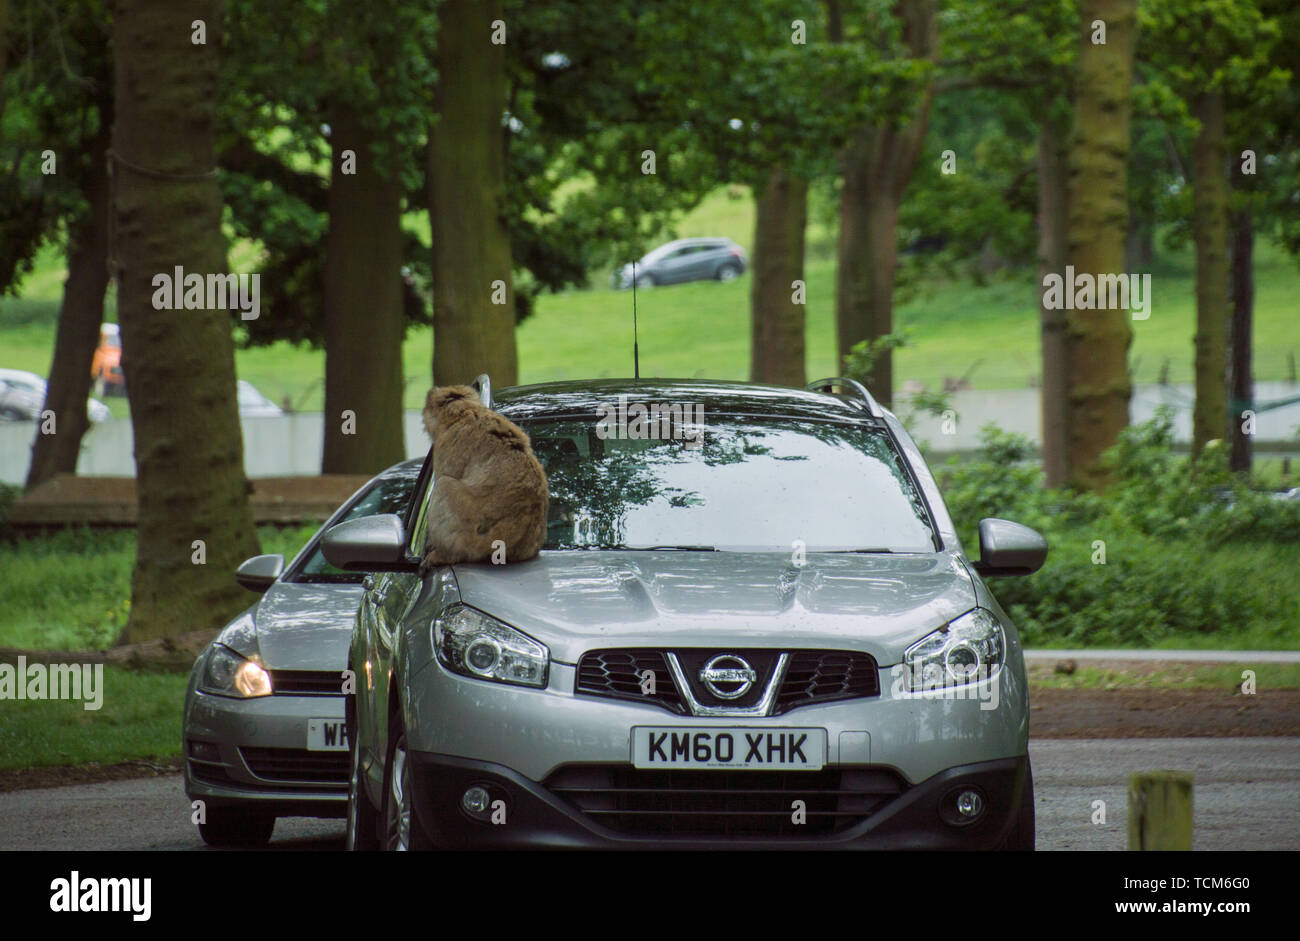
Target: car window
<point>389,494</point>
<point>417,516</point>
<point>751,485</point>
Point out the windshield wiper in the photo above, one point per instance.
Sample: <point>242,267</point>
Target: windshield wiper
<point>874,550</point>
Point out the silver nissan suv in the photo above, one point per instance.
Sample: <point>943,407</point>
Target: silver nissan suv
<point>752,625</point>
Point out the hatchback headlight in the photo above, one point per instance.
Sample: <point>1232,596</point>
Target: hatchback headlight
<point>475,644</point>
<point>228,674</point>
<point>969,649</point>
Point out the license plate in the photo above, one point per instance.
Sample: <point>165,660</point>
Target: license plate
<point>740,748</point>
<point>327,735</point>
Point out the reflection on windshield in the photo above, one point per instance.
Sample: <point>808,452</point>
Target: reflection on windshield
<point>756,484</point>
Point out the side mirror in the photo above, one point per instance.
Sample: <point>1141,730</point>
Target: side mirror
<point>369,544</point>
<point>1007,548</point>
<point>260,572</point>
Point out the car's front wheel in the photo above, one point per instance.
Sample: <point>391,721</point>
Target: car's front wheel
<point>363,818</point>
<point>229,828</point>
<point>401,830</point>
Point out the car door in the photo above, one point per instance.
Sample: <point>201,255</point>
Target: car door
<point>391,597</point>
<point>378,622</point>
<point>673,268</point>
<point>707,261</point>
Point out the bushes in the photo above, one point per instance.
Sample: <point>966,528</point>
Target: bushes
<point>1152,592</point>
<point>1177,552</point>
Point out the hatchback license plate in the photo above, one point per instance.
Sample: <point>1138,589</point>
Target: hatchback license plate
<point>740,748</point>
<point>327,735</point>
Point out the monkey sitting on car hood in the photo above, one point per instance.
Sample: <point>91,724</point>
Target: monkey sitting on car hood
<point>488,488</point>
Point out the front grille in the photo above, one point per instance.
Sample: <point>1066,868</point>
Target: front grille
<point>618,674</point>
<point>825,675</point>
<point>812,676</point>
<point>307,682</point>
<point>724,804</point>
<point>298,765</point>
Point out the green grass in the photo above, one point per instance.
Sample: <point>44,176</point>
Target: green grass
<point>71,590</point>
<point>1220,676</point>
<point>701,330</point>
<point>140,718</point>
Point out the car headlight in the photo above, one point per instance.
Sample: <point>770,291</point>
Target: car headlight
<point>475,644</point>
<point>969,649</point>
<point>228,674</point>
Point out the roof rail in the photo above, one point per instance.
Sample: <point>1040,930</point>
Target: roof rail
<point>827,385</point>
<point>483,386</point>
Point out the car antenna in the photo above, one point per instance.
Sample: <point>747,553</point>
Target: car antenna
<point>636,353</point>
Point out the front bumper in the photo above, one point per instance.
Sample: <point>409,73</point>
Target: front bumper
<point>252,754</point>
<point>534,731</point>
<point>521,743</point>
<point>536,817</point>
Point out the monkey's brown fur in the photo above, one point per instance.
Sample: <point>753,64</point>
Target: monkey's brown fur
<point>488,485</point>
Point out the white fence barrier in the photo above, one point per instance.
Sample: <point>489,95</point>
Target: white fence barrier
<point>278,446</point>
<point>291,445</point>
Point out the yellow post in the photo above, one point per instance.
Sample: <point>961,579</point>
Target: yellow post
<point>1160,810</point>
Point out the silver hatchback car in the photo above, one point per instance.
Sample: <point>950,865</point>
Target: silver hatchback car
<point>263,729</point>
<point>697,259</point>
<point>752,626</point>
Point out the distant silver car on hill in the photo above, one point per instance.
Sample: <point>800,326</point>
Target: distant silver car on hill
<point>698,259</point>
<point>263,730</point>
<point>752,626</point>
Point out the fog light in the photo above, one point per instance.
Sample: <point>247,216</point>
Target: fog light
<point>475,801</point>
<point>204,751</point>
<point>970,804</point>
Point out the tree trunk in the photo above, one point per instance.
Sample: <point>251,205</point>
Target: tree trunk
<point>1242,392</point>
<point>1139,245</point>
<point>876,168</point>
<point>466,180</point>
<point>1053,244</point>
<point>362,309</point>
<point>79,318</point>
<point>5,25</point>
<point>777,322</point>
<point>1210,229</point>
<point>1097,340</point>
<point>179,364</point>
<point>868,252</point>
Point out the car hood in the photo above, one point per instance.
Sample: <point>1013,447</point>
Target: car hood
<point>579,600</point>
<point>306,626</point>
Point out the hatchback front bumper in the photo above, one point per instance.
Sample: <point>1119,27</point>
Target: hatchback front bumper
<point>529,815</point>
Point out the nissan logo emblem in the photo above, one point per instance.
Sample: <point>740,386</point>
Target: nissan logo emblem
<point>728,670</point>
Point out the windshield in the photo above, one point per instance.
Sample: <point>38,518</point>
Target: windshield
<point>741,484</point>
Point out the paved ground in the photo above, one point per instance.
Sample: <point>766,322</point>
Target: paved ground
<point>1245,799</point>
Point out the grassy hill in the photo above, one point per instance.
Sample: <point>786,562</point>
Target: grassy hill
<point>702,329</point>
